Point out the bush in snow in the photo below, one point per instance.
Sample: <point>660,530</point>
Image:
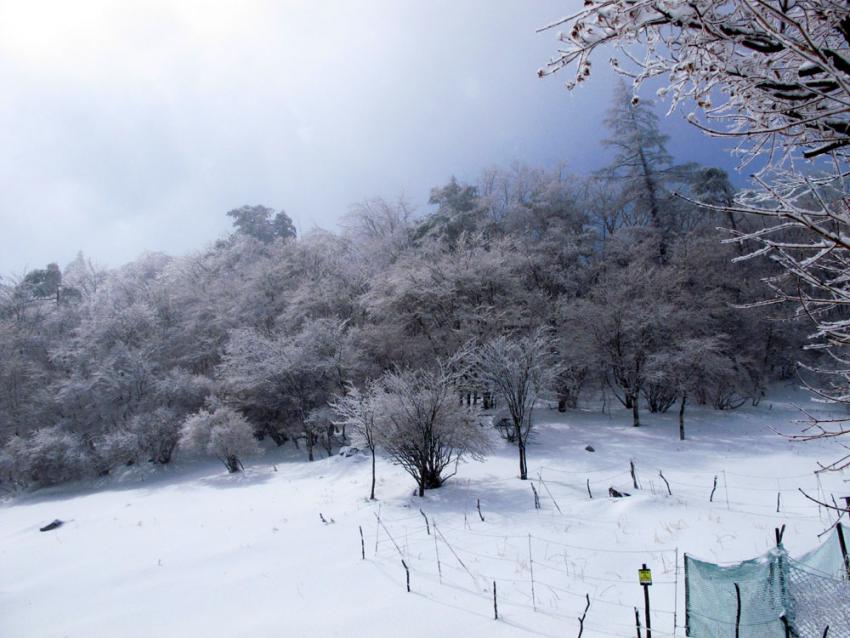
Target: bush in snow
<point>47,457</point>
<point>8,474</point>
<point>319,425</point>
<point>422,427</point>
<point>223,433</point>
<point>117,448</point>
<point>157,433</point>
<point>504,425</point>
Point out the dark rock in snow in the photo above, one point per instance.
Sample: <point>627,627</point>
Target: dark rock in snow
<point>56,523</point>
<point>590,448</point>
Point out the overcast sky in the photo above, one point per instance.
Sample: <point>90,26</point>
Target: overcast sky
<point>127,127</point>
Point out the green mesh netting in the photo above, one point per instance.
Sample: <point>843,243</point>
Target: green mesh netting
<point>819,601</point>
<point>826,559</point>
<point>808,594</point>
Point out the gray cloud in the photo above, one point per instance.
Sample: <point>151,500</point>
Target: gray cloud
<point>129,129</point>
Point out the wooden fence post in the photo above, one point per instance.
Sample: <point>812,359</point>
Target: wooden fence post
<point>583,616</point>
<point>531,569</point>
<point>738,612</point>
<point>669,491</point>
<point>407,574</point>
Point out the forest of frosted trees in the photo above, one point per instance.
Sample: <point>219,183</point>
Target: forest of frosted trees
<point>607,283</point>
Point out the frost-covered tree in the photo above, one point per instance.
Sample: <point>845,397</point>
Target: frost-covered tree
<point>701,368</point>
<point>422,427</point>
<point>116,448</point>
<point>83,275</point>
<point>435,300</point>
<point>626,318</point>
<point>279,381</point>
<point>220,432</point>
<point>642,171</point>
<point>577,362</point>
<point>329,280</point>
<point>381,229</point>
<point>320,428</point>
<point>358,410</point>
<point>518,370</point>
<point>764,57</point>
<point>157,433</point>
<point>47,456</point>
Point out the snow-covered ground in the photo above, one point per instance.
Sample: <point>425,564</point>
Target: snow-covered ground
<point>193,551</point>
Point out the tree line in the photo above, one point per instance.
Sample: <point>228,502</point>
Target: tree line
<point>398,329</point>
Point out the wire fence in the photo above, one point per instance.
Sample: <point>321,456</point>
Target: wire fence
<point>553,578</point>
<point>530,571</point>
<point>739,495</point>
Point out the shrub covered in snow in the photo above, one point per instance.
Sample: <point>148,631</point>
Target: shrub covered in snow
<point>157,433</point>
<point>47,457</point>
<point>222,433</point>
<point>116,449</point>
<point>422,426</point>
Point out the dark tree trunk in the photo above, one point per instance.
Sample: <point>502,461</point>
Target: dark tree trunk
<point>635,414</point>
<point>372,493</point>
<point>232,463</point>
<point>430,477</point>
<point>523,468</point>
<point>682,416</point>
<point>654,211</point>
<point>329,440</point>
<point>164,457</point>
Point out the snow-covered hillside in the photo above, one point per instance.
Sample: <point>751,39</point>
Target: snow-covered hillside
<point>193,551</point>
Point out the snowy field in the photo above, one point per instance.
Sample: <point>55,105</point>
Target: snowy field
<point>191,551</point>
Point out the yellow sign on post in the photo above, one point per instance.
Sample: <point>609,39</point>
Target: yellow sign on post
<point>645,576</point>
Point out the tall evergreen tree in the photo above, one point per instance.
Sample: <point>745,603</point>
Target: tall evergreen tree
<point>642,168</point>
